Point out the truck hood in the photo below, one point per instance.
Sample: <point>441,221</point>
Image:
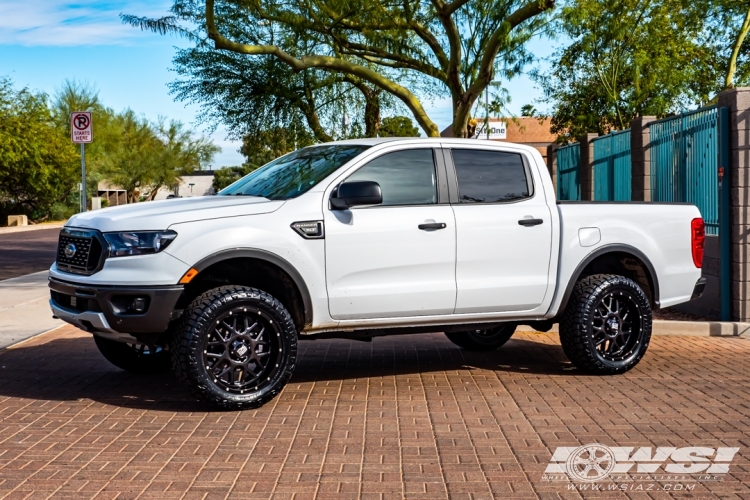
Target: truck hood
<point>158,215</point>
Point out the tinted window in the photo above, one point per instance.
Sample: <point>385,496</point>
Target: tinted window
<point>293,174</point>
<point>489,176</point>
<point>405,177</point>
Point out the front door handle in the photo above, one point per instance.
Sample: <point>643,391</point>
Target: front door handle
<point>432,225</point>
<point>530,222</point>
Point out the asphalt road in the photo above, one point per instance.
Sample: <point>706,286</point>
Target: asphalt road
<point>27,252</point>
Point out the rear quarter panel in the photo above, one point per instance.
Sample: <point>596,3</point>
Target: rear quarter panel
<point>660,231</point>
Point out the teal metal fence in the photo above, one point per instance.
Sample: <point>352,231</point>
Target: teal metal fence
<point>612,171</point>
<point>569,172</point>
<point>684,162</point>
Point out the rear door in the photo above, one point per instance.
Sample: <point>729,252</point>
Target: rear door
<point>396,259</point>
<point>504,232</point>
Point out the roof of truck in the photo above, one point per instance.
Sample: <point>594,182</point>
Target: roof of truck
<point>437,140</point>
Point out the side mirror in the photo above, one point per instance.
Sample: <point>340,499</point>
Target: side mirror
<point>355,193</point>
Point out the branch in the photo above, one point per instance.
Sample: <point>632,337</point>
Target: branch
<point>531,9</point>
<point>454,6</point>
<point>162,26</point>
<point>374,54</point>
<point>427,37</point>
<point>454,42</point>
<point>323,62</point>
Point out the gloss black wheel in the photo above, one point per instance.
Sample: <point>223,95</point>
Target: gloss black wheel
<point>483,340</point>
<point>606,327</point>
<point>236,349</point>
<point>242,349</point>
<point>134,358</point>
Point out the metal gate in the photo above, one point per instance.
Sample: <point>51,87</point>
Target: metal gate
<point>612,170</point>
<point>569,172</point>
<point>684,162</point>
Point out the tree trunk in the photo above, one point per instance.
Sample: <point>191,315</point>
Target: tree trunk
<point>311,116</point>
<point>372,112</point>
<point>732,69</point>
<point>462,115</point>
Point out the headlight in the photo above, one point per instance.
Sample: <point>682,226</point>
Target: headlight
<point>140,243</point>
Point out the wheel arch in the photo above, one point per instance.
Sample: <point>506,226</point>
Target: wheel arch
<point>298,297</point>
<point>611,259</point>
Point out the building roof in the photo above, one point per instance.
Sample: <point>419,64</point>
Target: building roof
<point>524,129</point>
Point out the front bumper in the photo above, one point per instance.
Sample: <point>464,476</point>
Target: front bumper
<point>101,308</point>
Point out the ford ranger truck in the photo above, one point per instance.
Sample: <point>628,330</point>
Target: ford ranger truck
<point>362,238</point>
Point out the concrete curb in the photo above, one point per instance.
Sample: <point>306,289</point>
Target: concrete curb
<point>20,343</point>
<point>35,227</point>
<point>686,328</point>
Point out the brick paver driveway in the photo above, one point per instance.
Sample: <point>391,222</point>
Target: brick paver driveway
<point>401,417</point>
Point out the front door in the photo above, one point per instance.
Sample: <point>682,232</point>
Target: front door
<point>504,233</point>
<point>395,259</point>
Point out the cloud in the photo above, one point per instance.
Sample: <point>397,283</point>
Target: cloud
<point>87,22</point>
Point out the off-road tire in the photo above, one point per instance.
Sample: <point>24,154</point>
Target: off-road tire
<point>192,346</point>
<point>483,340</point>
<point>583,324</point>
<point>139,359</point>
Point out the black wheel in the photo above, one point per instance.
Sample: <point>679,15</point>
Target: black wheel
<point>236,349</point>
<point>134,358</point>
<point>483,340</point>
<point>606,326</point>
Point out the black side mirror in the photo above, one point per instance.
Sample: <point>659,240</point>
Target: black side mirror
<point>354,193</point>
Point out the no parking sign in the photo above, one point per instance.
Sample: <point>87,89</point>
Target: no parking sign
<point>80,127</point>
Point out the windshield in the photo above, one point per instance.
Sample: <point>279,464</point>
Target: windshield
<point>295,173</point>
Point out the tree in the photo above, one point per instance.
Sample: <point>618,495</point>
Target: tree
<point>179,153</point>
<point>398,126</point>
<point>268,145</point>
<point>529,110</point>
<point>456,47</point>
<point>227,175</point>
<point>626,58</point>
<point>38,163</point>
<point>130,163</point>
<point>248,95</point>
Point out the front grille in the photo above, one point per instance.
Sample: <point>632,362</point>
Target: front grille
<point>84,251</point>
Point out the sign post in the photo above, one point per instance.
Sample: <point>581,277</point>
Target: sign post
<point>80,133</point>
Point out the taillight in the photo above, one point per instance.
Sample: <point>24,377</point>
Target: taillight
<point>698,238</point>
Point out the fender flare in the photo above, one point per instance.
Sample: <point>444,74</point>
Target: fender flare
<point>271,258</point>
<point>603,250</point>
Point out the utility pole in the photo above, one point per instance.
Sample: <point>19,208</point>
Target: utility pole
<point>487,111</point>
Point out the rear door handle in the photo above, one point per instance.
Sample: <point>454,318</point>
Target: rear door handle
<point>432,225</point>
<point>530,222</point>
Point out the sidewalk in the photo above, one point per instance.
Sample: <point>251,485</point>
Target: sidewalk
<point>21,229</point>
<point>24,308</point>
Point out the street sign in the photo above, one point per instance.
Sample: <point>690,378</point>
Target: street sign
<point>80,127</point>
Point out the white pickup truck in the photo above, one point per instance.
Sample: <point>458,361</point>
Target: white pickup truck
<point>363,238</point>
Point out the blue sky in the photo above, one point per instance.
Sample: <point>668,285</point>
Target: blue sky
<point>43,42</point>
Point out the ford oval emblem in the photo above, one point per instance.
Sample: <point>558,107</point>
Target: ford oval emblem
<point>70,250</point>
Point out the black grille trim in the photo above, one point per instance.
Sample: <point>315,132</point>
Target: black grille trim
<point>90,251</point>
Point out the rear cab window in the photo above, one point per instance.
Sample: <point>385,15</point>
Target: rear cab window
<point>486,176</point>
